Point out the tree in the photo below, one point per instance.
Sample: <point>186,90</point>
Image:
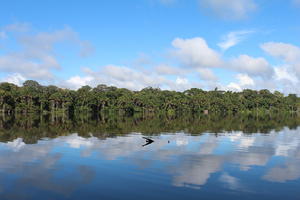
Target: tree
<point>35,98</point>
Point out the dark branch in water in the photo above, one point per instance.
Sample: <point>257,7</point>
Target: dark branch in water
<point>148,141</point>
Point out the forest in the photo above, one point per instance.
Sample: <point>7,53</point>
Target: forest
<point>35,98</point>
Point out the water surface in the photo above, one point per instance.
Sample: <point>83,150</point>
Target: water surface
<point>180,164</point>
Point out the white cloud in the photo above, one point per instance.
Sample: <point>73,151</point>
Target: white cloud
<point>169,70</point>
<point>125,77</point>
<point>181,81</point>
<point>287,52</point>
<point>122,76</point>
<point>286,80</point>
<point>16,79</point>
<point>76,82</point>
<point>252,66</point>
<point>207,74</point>
<point>233,9</point>
<point>244,81</point>
<point>195,53</point>
<point>26,66</point>
<point>119,76</point>
<point>233,87</point>
<point>284,73</point>
<point>233,38</point>
<point>37,57</point>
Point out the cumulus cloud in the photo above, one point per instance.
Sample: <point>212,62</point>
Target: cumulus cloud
<point>76,82</point>
<point>287,52</point>
<point>16,79</point>
<point>244,81</point>
<point>37,59</point>
<point>207,74</point>
<point>119,76</point>
<point>181,81</point>
<point>233,38</point>
<point>125,77</point>
<point>195,53</point>
<point>252,66</point>
<point>233,9</point>
<point>285,73</point>
<point>286,80</point>
<point>21,64</point>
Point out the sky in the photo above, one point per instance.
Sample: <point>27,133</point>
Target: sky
<point>170,44</point>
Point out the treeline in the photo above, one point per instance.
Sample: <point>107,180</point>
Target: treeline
<point>35,98</point>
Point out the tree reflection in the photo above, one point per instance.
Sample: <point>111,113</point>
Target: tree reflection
<point>34,127</point>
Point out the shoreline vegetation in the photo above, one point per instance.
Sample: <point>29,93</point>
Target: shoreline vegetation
<point>35,98</point>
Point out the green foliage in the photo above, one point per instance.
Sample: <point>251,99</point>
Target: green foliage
<point>35,98</point>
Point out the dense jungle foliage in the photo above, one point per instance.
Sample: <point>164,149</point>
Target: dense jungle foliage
<point>35,98</point>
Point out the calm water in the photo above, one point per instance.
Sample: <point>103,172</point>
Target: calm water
<point>39,161</point>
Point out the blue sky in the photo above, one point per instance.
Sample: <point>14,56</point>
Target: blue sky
<point>171,44</point>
